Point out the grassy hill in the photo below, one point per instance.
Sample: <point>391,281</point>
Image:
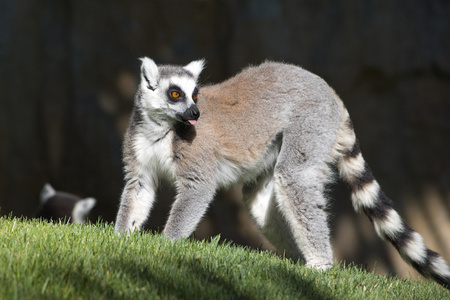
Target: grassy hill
<point>39,260</point>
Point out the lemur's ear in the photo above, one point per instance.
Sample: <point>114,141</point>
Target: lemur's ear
<point>149,73</point>
<point>195,67</point>
<point>46,193</point>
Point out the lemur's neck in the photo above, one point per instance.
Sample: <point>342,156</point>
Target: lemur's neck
<point>185,132</point>
<point>152,128</point>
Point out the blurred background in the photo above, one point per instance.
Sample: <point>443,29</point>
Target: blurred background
<point>69,70</point>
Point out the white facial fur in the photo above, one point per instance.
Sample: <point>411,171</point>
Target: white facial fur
<point>187,85</point>
<point>154,89</point>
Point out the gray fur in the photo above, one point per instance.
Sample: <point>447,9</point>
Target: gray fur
<point>276,129</point>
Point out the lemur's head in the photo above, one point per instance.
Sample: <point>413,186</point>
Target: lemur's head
<point>169,93</point>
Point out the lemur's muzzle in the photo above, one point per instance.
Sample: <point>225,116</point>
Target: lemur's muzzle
<point>191,115</point>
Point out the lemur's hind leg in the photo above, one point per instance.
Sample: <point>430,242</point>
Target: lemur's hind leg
<point>259,198</point>
<point>300,196</point>
<point>300,176</point>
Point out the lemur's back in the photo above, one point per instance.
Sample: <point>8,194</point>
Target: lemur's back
<point>276,96</point>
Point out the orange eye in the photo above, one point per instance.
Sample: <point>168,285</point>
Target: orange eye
<point>175,94</point>
<point>195,96</point>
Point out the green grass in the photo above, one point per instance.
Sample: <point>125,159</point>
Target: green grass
<point>39,260</point>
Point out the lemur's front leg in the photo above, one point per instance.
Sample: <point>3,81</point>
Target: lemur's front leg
<point>135,204</point>
<point>191,203</point>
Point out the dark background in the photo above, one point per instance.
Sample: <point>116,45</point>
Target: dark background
<point>69,69</point>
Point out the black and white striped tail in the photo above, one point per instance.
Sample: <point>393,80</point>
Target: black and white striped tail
<point>368,197</point>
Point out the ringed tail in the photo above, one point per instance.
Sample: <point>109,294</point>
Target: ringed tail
<point>368,197</point>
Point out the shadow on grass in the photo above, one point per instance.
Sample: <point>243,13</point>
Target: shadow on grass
<point>193,279</point>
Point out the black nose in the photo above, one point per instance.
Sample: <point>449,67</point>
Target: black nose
<point>192,113</point>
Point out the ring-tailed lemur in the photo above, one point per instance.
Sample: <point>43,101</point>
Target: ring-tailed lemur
<point>275,128</point>
<point>56,205</point>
